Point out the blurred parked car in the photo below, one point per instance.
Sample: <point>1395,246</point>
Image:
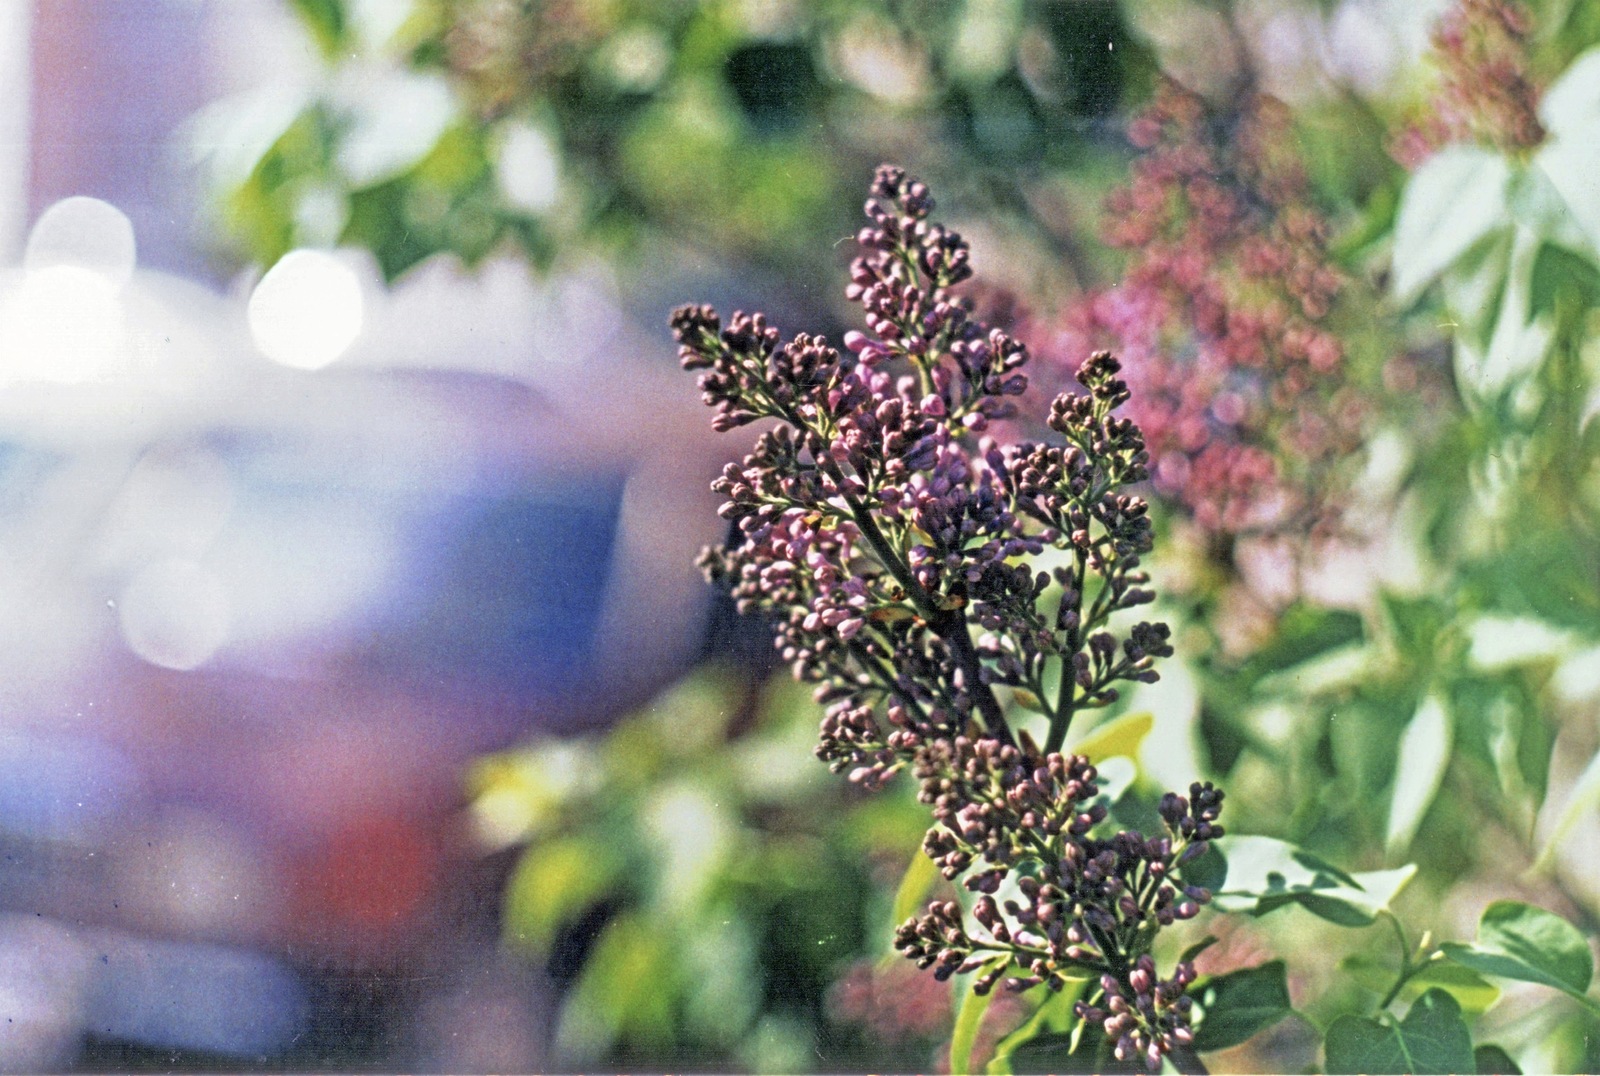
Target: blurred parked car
<point>254,620</point>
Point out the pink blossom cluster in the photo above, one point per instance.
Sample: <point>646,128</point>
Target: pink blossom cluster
<point>1221,317</point>
<point>1486,95</point>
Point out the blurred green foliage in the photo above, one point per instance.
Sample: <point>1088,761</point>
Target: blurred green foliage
<point>697,881</point>
<point>739,128</point>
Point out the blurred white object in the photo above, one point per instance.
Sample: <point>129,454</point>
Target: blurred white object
<point>307,310</point>
<point>83,233</point>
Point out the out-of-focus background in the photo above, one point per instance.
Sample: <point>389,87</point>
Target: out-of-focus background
<point>360,704</point>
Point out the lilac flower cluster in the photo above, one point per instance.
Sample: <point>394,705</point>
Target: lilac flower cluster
<point>1083,905</point>
<point>1221,317</point>
<point>1486,94</point>
<point>889,537</point>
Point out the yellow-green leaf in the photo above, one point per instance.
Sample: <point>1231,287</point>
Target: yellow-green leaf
<point>918,879</point>
<point>555,882</point>
<point>965,1035</point>
<point>1120,737</point>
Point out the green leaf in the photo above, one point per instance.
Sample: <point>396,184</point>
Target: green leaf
<point>969,1018</point>
<point>1117,775</point>
<point>1520,941</point>
<point>1055,1011</point>
<point>1120,737</point>
<point>1581,804</point>
<point>1474,288</point>
<point>1416,623</point>
<point>1570,165</point>
<point>1265,874</point>
<point>1542,210</point>
<point>1209,871</point>
<point>1432,1038</point>
<point>1051,1052</point>
<point>1198,947</point>
<point>1492,1059</point>
<point>628,989</point>
<point>554,883</point>
<point>1303,632</point>
<point>1472,992</point>
<point>1419,771</point>
<point>326,21</point>
<point>1571,106</point>
<point>1241,1003</point>
<point>394,125</point>
<point>1558,271</point>
<point>1455,199</point>
<point>918,879</point>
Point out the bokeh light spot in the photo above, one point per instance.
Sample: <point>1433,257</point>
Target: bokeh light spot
<point>84,233</point>
<point>174,614</point>
<point>529,170</point>
<point>63,324</point>
<point>307,310</point>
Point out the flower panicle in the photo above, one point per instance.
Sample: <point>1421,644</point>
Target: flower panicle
<point>888,537</point>
<point>1222,317</point>
<point>1486,94</point>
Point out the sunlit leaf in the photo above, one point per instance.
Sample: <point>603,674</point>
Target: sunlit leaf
<point>629,989</point>
<point>1519,941</point>
<point>918,880</point>
<point>1474,289</point>
<point>1455,199</point>
<point>1119,737</point>
<point>396,122</point>
<point>1541,209</point>
<point>1571,104</point>
<point>1265,874</point>
<point>555,882</point>
<point>969,1018</point>
<point>1571,165</point>
<point>1472,992</point>
<point>1582,804</point>
<point>1419,771</point>
<point>327,22</point>
<point>1055,1011</point>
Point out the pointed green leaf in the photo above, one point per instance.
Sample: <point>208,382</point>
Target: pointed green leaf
<point>1557,271</point>
<point>1520,941</point>
<point>1120,737</point>
<point>1582,803</point>
<point>969,1018</point>
<point>327,22</point>
<point>1451,202</point>
<point>1265,874</point>
<point>1241,1003</point>
<point>1057,1051</point>
<point>1055,1011</point>
<point>1420,765</point>
<point>1493,1061</point>
<point>1540,208</point>
<point>1571,106</point>
<point>1472,992</point>
<point>1431,1039</point>
<point>1570,165</point>
<point>1474,288</point>
<point>915,883</point>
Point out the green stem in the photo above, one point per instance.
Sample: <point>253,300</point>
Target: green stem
<point>948,624</point>
<point>1407,969</point>
<point>1066,691</point>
